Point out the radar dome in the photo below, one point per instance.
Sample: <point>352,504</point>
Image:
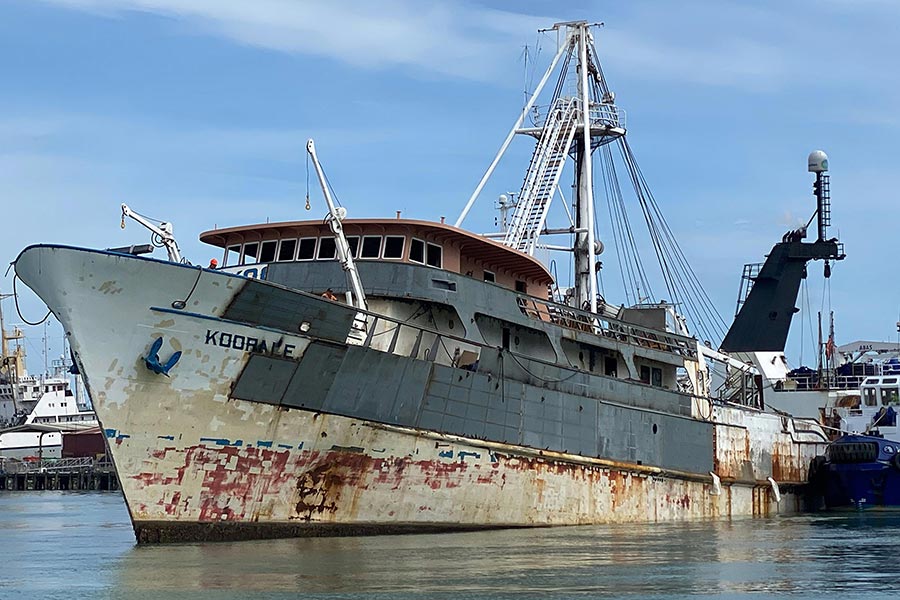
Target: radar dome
<point>818,162</point>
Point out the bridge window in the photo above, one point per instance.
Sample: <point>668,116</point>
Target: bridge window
<point>657,377</point>
<point>393,246</point>
<point>490,276</point>
<point>232,255</point>
<point>327,248</point>
<point>371,247</point>
<point>307,249</point>
<point>251,251</point>
<point>417,251</point>
<point>287,250</point>
<point>267,253</point>
<point>353,242</point>
<point>435,256</point>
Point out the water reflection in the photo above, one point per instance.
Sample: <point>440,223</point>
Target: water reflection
<point>810,556</point>
<point>81,546</point>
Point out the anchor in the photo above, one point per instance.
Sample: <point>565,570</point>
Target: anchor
<point>152,359</point>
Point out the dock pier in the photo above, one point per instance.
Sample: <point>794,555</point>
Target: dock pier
<point>58,474</point>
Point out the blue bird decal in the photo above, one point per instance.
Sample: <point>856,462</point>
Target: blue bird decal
<point>152,360</point>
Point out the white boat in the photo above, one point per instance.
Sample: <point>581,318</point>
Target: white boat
<point>36,411</point>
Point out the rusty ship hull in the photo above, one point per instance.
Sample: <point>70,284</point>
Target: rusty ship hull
<point>279,419</point>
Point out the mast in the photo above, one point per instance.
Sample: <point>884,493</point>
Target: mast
<point>579,117</point>
<point>586,280</point>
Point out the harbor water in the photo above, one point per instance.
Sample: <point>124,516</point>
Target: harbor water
<point>80,545</point>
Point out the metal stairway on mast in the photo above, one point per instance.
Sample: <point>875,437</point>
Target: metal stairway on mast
<point>543,175</point>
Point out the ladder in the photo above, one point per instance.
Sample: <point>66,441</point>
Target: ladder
<point>543,175</point>
<point>748,278</point>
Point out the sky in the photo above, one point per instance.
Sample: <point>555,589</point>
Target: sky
<point>198,111</point>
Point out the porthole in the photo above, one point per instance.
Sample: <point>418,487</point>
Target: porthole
<point>516,340</point>
<point>654,428</point>
<point>450,324</point>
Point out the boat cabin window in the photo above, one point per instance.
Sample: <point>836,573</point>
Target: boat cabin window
<point>327,248</point>
<point>307,249</point>
<point>490,277</point>
<point>435,256</point>
<point>521,286</point>
<point>393,246</point>
<point>869,396</point>
<point>232,255</point>
<point>371,247</point>
<point>251,251</point>
<point>267,253</point>
<point>417,251</point>
<point>656,379</point>
<point>287,250</point>
<point>890,396</point>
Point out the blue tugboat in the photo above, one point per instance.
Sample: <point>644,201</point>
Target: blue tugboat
<point>858,472</point>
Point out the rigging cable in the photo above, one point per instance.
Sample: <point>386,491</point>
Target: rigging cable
<point>676,268</point>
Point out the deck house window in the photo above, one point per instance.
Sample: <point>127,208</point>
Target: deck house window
<point>232,255</point>
<point>490,276</point>
<point>286,250</point>
<point>371,247</point>
<point>521,287</point>
<point>393,246</point>
<point>307,249</point>
<point>251,251</point>
<point>645,374</point>
<point>417,251</point>
<point>610,366</point>
<point>327,248</point>
<point>267,253</point>
<point>869,396</point>
<point>435,256</point>
<point>889,396</point>
<point>656,379</point>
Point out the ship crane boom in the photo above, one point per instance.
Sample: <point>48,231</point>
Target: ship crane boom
<point>162,234</point>
<point>335,216</point>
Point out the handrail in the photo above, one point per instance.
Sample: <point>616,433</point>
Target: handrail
<point>608,115</point>
<point>580,320</point>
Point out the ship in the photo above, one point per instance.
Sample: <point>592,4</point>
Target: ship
<point>38,411</point>
<point>373,376</point>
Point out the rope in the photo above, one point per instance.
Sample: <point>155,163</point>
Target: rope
<point>180,304</point>
<point>545,380</point>
<point>19,312</point>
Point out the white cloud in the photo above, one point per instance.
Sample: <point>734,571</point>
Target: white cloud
<point>452,39</point>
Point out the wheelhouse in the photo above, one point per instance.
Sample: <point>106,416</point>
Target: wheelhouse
<point>248,250</point>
